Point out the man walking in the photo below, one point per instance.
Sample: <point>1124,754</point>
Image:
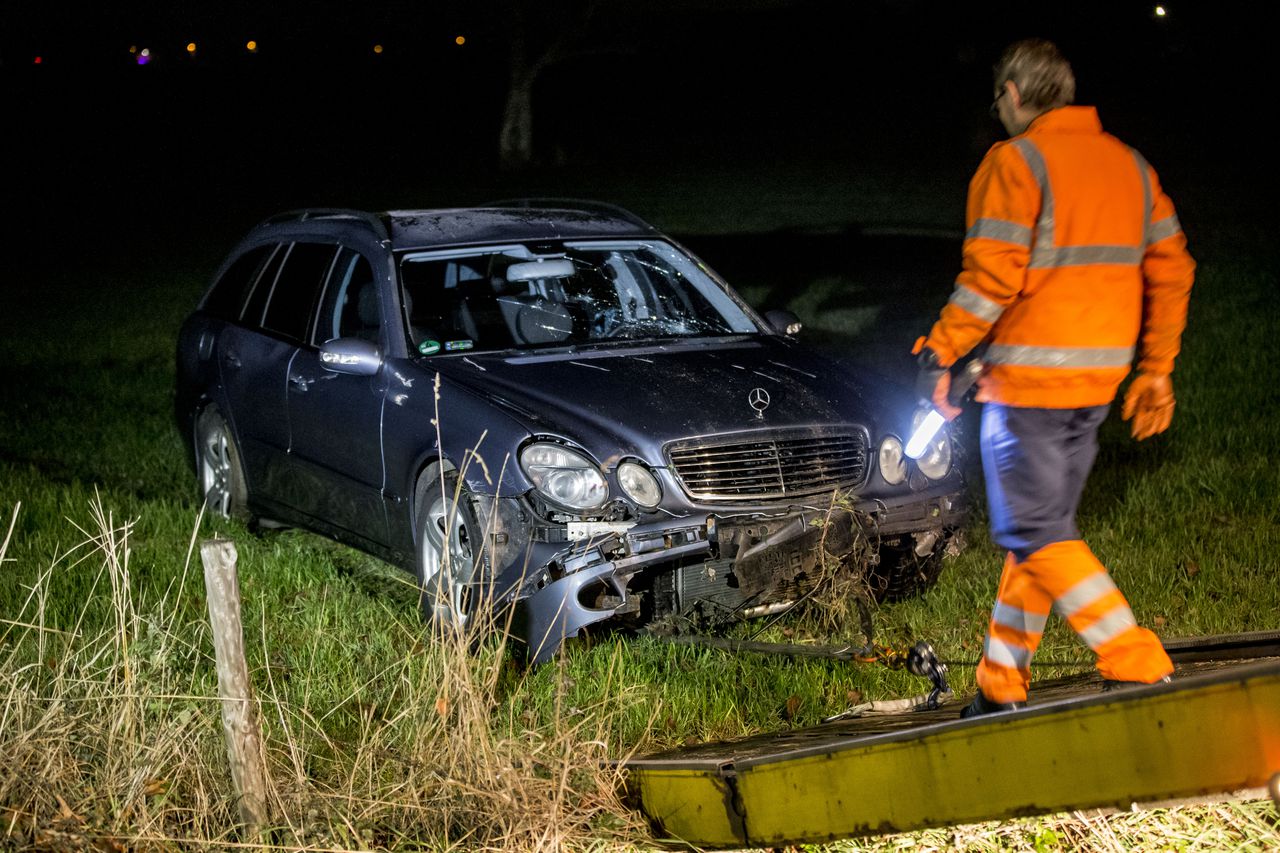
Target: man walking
<point>1072,259</point>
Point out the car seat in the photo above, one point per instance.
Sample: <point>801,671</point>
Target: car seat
<point>539,321</point>
<point>368,314</point>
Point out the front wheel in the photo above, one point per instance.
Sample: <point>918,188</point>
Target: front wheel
<point>451,559</point>
<point>218,468</point>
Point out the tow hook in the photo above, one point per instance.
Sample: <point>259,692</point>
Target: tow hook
<point>923,661</point>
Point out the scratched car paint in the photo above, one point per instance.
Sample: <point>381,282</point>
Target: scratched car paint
<point>551,407</point>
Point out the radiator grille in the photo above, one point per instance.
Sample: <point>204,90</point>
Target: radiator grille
<point>770,465</point>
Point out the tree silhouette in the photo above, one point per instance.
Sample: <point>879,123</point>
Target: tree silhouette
<point>539,36</point>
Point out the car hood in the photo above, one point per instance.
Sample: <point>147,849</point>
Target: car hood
<point>635,399</point>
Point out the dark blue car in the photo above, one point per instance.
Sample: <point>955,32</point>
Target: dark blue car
<point>551,406</point>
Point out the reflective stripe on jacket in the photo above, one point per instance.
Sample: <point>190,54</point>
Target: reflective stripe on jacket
<point>1072,253</point>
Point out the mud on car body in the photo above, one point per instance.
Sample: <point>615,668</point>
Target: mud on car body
<point>554,404</point>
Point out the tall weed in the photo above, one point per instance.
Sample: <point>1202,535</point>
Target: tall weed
<point>110,737</point>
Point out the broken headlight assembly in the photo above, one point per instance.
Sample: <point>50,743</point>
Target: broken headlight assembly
<point>935,461</point>
<point>639,484</point>
<point>893,465</point>
<point>563,476</point>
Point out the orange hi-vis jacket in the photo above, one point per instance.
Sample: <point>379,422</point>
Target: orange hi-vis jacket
<point>1072,252</point>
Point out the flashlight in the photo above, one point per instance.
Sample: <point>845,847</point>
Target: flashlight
<point>933,421</point>
<point>924,434</point>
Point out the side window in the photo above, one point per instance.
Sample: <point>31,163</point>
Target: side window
<point>226,297</point>
<point>257,300</point>
<point>350,308</point>
<point>297,288</point>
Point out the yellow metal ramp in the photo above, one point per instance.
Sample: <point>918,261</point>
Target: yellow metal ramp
<point>1215,728</point>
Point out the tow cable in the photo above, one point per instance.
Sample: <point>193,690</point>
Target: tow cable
<point>919,660</point>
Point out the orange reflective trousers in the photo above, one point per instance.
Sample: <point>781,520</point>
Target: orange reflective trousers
<point>1068,578</point>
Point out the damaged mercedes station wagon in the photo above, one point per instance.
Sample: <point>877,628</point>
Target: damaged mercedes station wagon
<point>554,403</point>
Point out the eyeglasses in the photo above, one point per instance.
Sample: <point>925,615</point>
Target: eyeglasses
<point>995,105</point>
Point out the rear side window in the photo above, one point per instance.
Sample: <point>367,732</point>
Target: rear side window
<point>257,301</point>
<point>226,297</point>
<point>296,289</point>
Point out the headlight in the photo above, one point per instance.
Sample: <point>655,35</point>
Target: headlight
<point>935,462</point>
<point>639,484</point>
<point>564,476</point>
<point>893,468</point>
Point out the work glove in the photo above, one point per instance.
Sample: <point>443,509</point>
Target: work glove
<point>933,382</point>
<point>1149,403</point>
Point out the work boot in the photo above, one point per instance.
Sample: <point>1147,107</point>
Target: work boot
<point>1109,685</point>
<point>982,705</point>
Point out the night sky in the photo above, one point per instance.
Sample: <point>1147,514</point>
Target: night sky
<point>315,116</point>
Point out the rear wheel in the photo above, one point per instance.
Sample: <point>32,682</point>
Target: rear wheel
<point>220,475</point>
<point>451,560</point>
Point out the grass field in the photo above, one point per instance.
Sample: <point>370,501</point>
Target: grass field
<point>379,735</point>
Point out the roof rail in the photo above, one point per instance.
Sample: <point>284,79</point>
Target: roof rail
<point>585,205</point>
<point>371,219</point>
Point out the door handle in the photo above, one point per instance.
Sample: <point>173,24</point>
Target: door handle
<point>300,382</point>
<point>230,358</point>
<point>205,347</point>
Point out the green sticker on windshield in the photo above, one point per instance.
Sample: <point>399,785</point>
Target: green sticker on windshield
<point>429,347</point>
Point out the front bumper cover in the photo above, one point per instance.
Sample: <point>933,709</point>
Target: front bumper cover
<point>764,548</point>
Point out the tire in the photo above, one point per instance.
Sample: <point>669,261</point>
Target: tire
<point>452,564</point>
<point>902,573</point>
<point>219,472</point>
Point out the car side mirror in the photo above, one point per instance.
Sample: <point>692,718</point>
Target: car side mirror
<point>350,355</point>
<point>784,322</point>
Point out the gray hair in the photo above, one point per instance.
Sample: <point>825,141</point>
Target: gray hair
<point>1042,74</point>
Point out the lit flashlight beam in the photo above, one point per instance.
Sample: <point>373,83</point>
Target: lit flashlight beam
<point>924,434</point>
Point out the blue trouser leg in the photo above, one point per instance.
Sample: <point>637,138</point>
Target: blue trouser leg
<point>1036,462</point>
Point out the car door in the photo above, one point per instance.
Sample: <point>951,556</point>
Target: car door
<point>335,419</point>
<point>251,368</point>
<point>276,322</point>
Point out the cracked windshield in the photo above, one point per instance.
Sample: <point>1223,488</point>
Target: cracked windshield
<point>509,297</point>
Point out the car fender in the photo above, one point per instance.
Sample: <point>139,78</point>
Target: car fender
<point>460,429</point>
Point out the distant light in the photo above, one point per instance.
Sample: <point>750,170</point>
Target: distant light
<point>39,60</point>
<point>1160,12</point>
<point>133,48</point>
<point>460,40</point>
<point>377,48</point>
<point>144,56</point>
<point>251,46</point>
<point>191,47</point>
<point>146,51</point>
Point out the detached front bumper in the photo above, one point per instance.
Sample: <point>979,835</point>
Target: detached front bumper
<point>764,549</point>
<point>565,606</point>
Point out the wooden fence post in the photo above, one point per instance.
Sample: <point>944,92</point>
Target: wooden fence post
<point>239,713</point>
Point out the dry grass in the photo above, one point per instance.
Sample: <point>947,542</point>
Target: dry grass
<point>111,740</point>
<point>108,742</point>
<point>1250,825</point>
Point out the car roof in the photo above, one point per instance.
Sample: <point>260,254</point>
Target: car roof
<point>516,220</point>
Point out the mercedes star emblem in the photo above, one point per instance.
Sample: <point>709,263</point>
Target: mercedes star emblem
<point>758,399</point>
